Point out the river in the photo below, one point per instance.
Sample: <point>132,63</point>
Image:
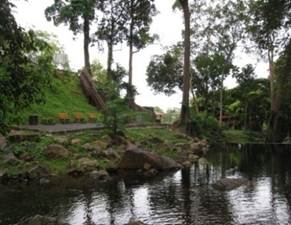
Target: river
<point>183,197</point>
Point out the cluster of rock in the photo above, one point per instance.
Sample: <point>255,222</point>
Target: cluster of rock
<point>190,153</point>
<point>125,156</point>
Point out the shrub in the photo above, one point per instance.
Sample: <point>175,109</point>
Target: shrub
<point>205,126</point>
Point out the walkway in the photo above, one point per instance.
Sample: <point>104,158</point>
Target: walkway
<point>75,127</point>
<point>62,128</point>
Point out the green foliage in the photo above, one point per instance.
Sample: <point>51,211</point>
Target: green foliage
<point>164,72</point>
<point>205,126</point>
<point>25,66</point>
<point>139,15</point>
<point>266,22</point>
<point>115,115</point>
<point>249,103</point>
<point>70,12</point>
<point>171,116</point>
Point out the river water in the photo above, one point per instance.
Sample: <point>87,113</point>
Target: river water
<point>183,197</point>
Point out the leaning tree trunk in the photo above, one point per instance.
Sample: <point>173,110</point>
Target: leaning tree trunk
<point>185,112</point>
<point>86,30</point>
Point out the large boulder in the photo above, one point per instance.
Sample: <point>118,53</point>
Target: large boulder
<point>227,184</point>
<point>84,164</point>
<point>55,151</point>
<point>39,171</point>
<point>136,159</point>
<point>41,220</point>
<point>3,142</point>
<point>95,146</point>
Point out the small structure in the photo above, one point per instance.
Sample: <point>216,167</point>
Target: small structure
<point>159,117</point>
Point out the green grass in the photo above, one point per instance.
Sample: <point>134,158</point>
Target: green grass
<point>243,137</point>
<point>64,95</point>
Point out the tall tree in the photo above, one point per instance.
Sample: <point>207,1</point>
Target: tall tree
<point>111,28</point>
<point>78,14</point>
<point>138,14</point>
<point>218,29</point>
<point>267,23</point>
<point>25,65</point>
<point>185,112</point>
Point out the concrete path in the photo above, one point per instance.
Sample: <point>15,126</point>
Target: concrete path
<point>75,127</point>
<point>62,128</point>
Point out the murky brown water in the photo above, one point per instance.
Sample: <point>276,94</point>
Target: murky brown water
<point>185,197</point>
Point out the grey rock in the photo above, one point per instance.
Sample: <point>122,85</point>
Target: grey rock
<point>44,181</point>
<point>193,158</point>
<point>111,154</point>
<point>10,159</point>
<point>56,151</point>
<point>3,142</point>
<point>187,164</point>
<point>84,164</point>
<point>135,159</point>
<point>39,171</point>
<point>101,175</point>
<point>62,140</point>
<point>150,173</point>
<point>76,141</point>
<point>227,184</point>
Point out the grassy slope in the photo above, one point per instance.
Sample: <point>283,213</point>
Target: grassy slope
<point>64,95</point>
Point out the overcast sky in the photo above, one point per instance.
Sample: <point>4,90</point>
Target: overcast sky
<point>167,24</point>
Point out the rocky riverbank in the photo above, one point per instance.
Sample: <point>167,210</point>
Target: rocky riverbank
<point>34,158</point>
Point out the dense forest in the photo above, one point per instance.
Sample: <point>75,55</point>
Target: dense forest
<point>214,32</point>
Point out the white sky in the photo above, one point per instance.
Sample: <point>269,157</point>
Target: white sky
<point>168,25</point>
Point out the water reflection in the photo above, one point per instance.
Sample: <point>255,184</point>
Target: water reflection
<point>185,197</point>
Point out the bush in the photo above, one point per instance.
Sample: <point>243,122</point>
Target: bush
<point>205,126</point>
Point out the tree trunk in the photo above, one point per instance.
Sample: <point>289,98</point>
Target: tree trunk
<point>274,117</point>
<point>221,103</point>
<point>272,80</point>
<point>130,42</point>
<point>86,30</point>
<point>109,59</point>
<point>185,114</point>
<point>130,64</point>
